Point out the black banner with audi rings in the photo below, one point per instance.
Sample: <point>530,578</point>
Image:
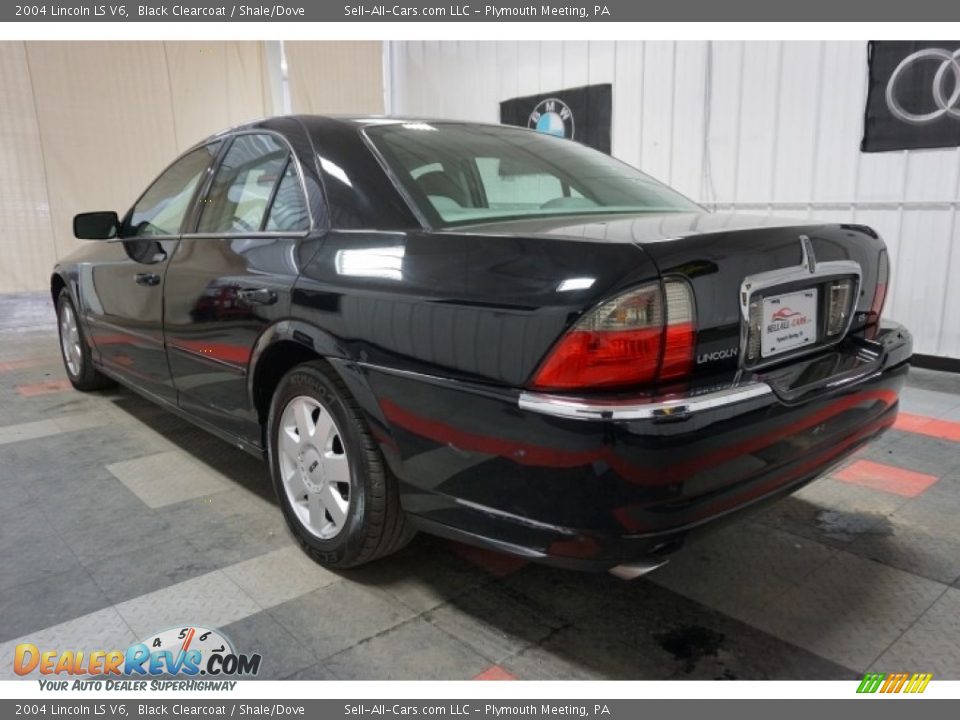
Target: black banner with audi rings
<point>471,11</point>
<point>913,99</point>
<point>107,709</point>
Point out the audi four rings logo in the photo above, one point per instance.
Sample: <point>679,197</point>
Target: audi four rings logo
<point>947,105</point>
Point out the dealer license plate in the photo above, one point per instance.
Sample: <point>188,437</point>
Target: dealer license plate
<point>789,322</point>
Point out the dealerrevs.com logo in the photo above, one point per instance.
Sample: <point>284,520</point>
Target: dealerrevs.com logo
<point>183,652</point>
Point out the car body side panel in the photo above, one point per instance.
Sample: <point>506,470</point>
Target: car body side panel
<point>222,292</point>
<point>211,325</point>
<point>122,316</point>
<point>484,308</point>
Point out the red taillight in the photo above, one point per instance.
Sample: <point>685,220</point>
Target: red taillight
<point>677,352</point>
<point>629,340</point>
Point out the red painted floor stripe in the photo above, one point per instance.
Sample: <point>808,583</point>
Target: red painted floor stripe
<point>495,672</point>
<point>44,388</point>
<point>495,563</point>
<point>886,478</point>
<point>20,363</point>
<point>924,425</point>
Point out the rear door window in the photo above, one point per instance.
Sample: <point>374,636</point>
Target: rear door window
<point>288,213</point>
<point>243,187</point>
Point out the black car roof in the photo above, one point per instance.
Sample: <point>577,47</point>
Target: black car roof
<point>317,122</point>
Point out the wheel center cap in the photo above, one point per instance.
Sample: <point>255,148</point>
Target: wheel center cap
<point>311,469</point>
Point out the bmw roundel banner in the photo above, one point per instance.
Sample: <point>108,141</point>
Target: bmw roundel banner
<point>913,99</point>
<point>582,114</point>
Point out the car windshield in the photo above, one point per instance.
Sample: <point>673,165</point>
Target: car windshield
<point>458,174</point>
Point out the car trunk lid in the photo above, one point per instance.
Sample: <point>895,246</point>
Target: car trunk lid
<point>718,254</point>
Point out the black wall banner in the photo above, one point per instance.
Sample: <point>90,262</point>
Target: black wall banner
<point>913,99</point>
<point>582,114</point>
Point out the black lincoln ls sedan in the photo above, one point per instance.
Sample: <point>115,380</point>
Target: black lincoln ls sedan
<point>486,333</point>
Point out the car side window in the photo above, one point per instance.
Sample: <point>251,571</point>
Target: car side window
<point>161,209</point>
<point>288,213</point>
<point>243,186</point>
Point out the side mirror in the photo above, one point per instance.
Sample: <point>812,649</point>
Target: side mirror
<point>103,225</point>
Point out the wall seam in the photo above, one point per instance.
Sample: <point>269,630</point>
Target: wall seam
<point>43,151</point>
<point>173,114</point>
<point>949,261</point>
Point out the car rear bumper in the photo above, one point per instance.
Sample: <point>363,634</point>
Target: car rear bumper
<point>597,483</point>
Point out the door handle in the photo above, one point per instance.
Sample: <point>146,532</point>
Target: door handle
<point>258,296</point>
<point>146,278</point>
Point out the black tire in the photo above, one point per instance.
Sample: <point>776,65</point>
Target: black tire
<point>87,376</point>
<point>375,524</point>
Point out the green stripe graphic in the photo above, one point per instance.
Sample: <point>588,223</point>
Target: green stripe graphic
<point>871,682</point>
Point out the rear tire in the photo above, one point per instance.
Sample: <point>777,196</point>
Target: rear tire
<point>74,350</point>
<point>335,490</point>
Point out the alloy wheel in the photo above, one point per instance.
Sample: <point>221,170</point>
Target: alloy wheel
<point>314,466</point>
<point>70,340</point>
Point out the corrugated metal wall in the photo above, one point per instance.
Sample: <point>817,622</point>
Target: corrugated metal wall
<point>772,128</point>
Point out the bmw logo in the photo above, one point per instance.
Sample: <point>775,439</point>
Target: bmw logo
<point>553,117</point>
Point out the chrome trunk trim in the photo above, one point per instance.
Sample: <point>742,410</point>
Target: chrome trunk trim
<point>585,408</point>
<point>808,270</point>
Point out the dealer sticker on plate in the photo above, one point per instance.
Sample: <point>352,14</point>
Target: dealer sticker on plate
<point>789,322</point>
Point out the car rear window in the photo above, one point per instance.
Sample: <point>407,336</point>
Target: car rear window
<point>460,174</point>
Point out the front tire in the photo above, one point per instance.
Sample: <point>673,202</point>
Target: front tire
<point>337,495</point>
<point>74,349</point>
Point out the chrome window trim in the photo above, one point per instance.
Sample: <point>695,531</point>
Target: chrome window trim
<point>808,269</point>
<point>564,406</point>
<point>245,236</point>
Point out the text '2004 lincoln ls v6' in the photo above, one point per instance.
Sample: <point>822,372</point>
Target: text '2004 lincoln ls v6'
<point>486,333</point>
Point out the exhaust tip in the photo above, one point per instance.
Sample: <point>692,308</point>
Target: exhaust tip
<point>631,571</point>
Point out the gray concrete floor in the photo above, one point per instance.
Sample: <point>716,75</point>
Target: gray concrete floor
<point>119,519</point>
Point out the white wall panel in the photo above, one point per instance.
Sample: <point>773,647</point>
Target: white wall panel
<point>723,140</point>
<point>576,64</point>
<point>528,67</point>
<point>508,57</point>
<point>550,75</point>
<point>627,100</point>
<point>841,103</point>
<point>881,177</point>
<point>925,237</point>
<point>603,62</point>
<point>932,176</point>
<point>656,113</point>
<point>798,92</point>
<point>772,128</point>
<point>949,341</point>
<point>687,133</point>
<point>759,118</point>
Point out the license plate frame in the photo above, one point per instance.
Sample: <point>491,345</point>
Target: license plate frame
<point>789,321</point>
